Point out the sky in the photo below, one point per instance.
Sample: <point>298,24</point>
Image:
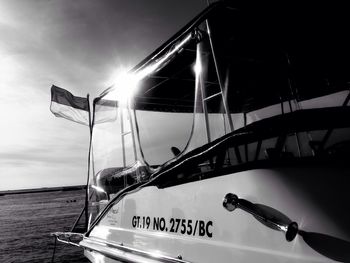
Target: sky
<point>80,46</point>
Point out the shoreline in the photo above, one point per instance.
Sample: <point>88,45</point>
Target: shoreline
<point>43,189</point>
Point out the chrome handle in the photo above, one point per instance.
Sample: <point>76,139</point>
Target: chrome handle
<point>69,238</point>
<point>231,202</point>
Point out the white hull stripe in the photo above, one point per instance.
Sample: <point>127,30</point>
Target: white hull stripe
<point>124,253</point>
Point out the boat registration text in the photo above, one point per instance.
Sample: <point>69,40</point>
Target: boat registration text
<point>182,226</point>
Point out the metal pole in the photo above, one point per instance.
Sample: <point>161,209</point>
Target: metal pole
<point>203,93</point>
<point>122,135</point>
<point>236,149</point>
<point>123,142</point>
<point>77,220</point>
<point>219,78</point>
<point>132,132</point>
<point>88,175</point>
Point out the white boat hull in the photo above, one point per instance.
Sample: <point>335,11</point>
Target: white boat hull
<point>145,222</point>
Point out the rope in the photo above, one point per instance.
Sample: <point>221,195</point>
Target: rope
<point>54,250</point>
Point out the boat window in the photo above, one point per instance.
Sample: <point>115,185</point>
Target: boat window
<point>277,149</point>
<point>115,158</point>
<point>163,108</point>
<point>160,132</point>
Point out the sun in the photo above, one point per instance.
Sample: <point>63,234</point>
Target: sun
<point>124,87</point>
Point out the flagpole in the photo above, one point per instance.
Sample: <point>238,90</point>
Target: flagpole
<point>63,98</point>
<point>88,172</point>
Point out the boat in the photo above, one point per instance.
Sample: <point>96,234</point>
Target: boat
<point>229,143</point>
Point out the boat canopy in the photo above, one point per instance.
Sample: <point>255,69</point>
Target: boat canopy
<point>265,54</point>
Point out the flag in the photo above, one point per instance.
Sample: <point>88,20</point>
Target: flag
<point>65,105</point>
<point>105,110</point>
